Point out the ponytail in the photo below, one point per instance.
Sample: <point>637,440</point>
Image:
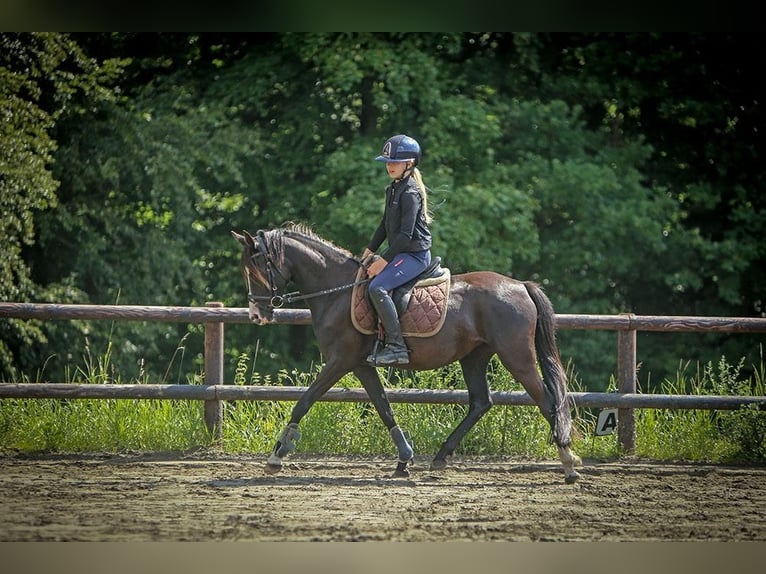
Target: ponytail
<point>423,193</point>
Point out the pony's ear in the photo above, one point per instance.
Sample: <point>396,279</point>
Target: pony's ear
<point>238,237</point>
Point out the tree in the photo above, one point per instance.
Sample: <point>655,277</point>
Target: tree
<point>571,159</point>
<point>43,77</point>
<point>694,99</point>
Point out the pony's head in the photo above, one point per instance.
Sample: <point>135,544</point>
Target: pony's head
<point>263,277</point>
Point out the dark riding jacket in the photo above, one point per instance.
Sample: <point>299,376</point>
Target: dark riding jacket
<point>404,222</point>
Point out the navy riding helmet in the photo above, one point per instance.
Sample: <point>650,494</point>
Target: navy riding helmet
<point>399,149</point>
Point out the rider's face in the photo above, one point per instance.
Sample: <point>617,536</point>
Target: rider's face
<point>396,169</point>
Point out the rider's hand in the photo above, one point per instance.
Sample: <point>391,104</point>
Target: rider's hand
<point>376,266</point>
<point>367,257</point>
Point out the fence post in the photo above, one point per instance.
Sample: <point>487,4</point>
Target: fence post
<point>626,378</point>
<point>214,373</point>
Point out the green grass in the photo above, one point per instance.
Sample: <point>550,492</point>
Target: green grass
<point>722,436</point>
<point>77,425</point>
<point>113,425</point>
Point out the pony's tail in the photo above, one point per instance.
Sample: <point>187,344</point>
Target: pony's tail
<point>554,377</point>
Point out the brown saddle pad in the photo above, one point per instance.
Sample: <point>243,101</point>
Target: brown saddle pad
<point>425,313</point>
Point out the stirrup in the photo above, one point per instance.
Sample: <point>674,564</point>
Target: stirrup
<point>389,356</point>
<point>375,348</point>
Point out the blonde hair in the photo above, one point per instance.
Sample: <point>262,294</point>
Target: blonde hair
<point>423,193</point>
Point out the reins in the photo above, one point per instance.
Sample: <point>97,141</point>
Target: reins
<point>276,301</point>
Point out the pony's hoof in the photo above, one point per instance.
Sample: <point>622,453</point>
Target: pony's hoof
<point>438,464</point>
<point>572,478</point>
<point>401,469</point>
<point>273,464</point>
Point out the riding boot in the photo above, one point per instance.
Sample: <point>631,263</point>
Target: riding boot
<point>394,351</point>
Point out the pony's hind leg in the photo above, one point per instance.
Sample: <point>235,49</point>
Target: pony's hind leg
<point>525,372</point>
<point>372,384</point>
<point>474,367</point>
<point>569,460</point>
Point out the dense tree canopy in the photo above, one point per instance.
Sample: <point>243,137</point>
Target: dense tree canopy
<point>621,171</point>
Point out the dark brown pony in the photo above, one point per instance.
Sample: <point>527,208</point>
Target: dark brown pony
<point>488,314</point>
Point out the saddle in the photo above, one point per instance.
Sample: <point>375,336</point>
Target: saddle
<point>421,303</point>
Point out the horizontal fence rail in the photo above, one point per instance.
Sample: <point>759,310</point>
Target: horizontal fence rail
<point>623,322</point>
<point>214,392</point>
<point>358,395</point>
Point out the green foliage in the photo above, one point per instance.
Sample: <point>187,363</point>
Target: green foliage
<point>745,428</point>
<point>34,92</point>
<point>44,79</point>
<point>728,436</point>
<point>102,425</point>
<point>621,171</point>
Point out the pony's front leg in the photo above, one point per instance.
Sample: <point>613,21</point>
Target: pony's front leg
<point>285,444</point>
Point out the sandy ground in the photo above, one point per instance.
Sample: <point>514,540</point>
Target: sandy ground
<point>207,496</point>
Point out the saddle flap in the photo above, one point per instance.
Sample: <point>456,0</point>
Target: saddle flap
<point>425,308</point>
<point>402,294</point>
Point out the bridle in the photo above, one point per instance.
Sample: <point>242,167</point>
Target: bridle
<point>275,300</point>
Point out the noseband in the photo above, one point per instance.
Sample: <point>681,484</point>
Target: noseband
<point>275,300</point>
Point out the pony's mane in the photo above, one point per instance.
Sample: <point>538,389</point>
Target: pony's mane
<point>302,230</point>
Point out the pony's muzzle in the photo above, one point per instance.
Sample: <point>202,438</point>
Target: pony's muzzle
<point>257,317</point>
<point>258,320</point>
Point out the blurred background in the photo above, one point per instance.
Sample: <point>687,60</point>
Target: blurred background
<point>623,172</point>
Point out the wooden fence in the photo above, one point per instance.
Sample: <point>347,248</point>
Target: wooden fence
<point>214,391</point>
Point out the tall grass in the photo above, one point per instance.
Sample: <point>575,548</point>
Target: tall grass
<point>724,435</point>
<point>109,425</point>
<point>79,425</point>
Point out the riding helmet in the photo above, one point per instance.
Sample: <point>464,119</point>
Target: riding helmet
<point>400,148</point>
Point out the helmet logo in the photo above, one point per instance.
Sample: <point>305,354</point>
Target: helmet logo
<point>400,148</point>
